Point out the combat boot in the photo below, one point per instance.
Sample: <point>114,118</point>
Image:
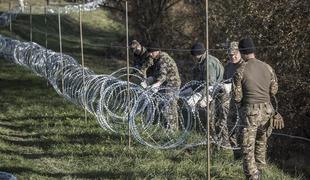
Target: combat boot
<point>256,176</point>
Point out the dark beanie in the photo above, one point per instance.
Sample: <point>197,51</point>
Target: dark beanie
<point>153,46</point>
<point>246,46</point>
<point>198,49</point>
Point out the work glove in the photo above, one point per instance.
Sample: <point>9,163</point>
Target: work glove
<point>155,87</point>
<point>149,81</point>
<point>210,88</point>
<point>193,100</point>
<point>203,102</point>
<point>278,122</point>
<point>227,87</point>
<point>143,84</point>
<point>197,99</point>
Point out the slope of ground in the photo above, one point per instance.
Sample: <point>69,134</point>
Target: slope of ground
<point>44,137</point>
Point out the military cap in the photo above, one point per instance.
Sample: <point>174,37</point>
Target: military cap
<point>134,46</point>
<point>233,46</point>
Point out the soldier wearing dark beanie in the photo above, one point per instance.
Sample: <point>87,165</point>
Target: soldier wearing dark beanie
<point>216,68</point>
<point>246,46</point>
<point>198,49</point>
<point>253,84</point>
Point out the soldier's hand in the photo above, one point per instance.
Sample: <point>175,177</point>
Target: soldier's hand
<point>193,100</point>
<point>143,84</point>
<point>278,122</point>
<point>155,89</point>
<point>156,85</point>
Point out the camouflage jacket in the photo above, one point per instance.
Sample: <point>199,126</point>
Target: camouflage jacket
<point>166,71</point>
<point>216,70</point>
<point>254,82</point>
<point>230,69</point>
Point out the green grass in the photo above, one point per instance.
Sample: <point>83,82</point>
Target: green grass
<point>44,137</point>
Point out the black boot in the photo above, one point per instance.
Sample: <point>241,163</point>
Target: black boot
<point>256,176</point>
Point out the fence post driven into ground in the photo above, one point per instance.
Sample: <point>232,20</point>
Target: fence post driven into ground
<point>60,50</point>
<point>207,90</point>
<point>128,86</point>
<point>45,33</point>
<point>82,57</point>
<point>10,16</point>
<point>30,22</point>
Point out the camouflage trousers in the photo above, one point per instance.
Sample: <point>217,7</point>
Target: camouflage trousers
<point>256,121</point>
<point>233,124</point>
<point>170,111</point>
<point>222,110</point>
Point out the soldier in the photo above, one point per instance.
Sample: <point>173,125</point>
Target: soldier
<point>253,83</point>
<point>215,66</point>
<point>199,72</point>
<point>215,75</point>
<point>165,75</point>
<point>229,112</point>
<point>235,60</point>
<point>142,60</point>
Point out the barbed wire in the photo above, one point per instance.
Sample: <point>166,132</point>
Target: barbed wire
<point>105,97</point>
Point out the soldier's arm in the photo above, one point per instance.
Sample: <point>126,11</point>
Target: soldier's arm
<point>221,72</point>
<point>237,86</point>
<point>274,82</point>
<point>162,71</point>
<point>148,63</point>
<point>225,73</point>
<point>216,70</point>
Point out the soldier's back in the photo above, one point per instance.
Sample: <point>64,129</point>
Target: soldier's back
<point>168,67</point>
<point>256,82</point>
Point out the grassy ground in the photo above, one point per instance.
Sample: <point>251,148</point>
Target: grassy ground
<point>44,137</point>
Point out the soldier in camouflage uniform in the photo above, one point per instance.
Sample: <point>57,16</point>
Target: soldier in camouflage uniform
<point>229,111</point>
<point>141,60</point>
<point>166,75</point>
<point>253,84</point>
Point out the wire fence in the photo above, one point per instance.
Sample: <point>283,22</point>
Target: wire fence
<point>105,96</point>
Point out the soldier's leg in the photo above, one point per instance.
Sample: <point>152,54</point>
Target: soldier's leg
<point>248,147</point>
<point>173,115</point>
<point>212,116</point>
<point>233,124</point>
<point>223,105</point>
<point>238,151</point>
<point>249,119</point>
<point>262,137</point>
<point>171,111</point>
<point>261,148</point>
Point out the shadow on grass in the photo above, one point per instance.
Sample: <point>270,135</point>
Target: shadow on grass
<point>90,174</point>
<point>45,155</point>
<point>16,84</point>
<point>89,138</point>
<point>42,118</point>
<point>9,122</point>
<point>45,144</point>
